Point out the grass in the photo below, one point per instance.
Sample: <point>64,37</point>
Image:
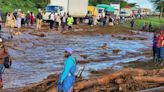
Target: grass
<point>157,23</point>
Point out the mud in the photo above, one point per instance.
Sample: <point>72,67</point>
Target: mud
<point>122,84</point>
<point>36,57</point>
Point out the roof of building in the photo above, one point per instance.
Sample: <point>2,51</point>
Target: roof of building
<point>127,6</point>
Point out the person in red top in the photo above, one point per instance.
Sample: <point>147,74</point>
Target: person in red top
<point>32,18</point>
<point>160,46</point>
<point>160,39</point>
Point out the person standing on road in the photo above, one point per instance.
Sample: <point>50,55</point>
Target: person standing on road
<point>143,26</point>
<point>111,21</point>
<point>32,18</point>
<point>52,19</point>
<point>160,45</point>
<point>67,77</point>
<point>70,21</point>
<point>39,20</point>
<point>63,22</point>
<point>18,23</point>
<point>132,24</point>
<point>28,18</point>
<point>15,13</point>
<point>95,20</point>
<point>0,21</point>
<point>23,19</point>
<point>10,23</point>
<point>150,27</point>
<point>154,48</point>
<point>58,20</point>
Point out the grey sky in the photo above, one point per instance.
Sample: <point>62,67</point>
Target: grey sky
<point>142,3</point>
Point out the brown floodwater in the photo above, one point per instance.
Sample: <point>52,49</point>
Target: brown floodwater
<point>39,57</point>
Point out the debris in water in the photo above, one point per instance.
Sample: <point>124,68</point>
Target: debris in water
<point>84,56</point>
<point>104,46</point>
<point>116,51</point>
<point>38,34</point>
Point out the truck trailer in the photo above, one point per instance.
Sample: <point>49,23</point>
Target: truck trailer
<point>75,8</point>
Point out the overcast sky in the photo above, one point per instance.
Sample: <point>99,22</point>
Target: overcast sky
<point>142,3</point>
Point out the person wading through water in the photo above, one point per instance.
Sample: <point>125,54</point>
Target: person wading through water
<point>67,77</point>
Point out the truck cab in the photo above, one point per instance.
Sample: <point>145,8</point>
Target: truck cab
<point>124,14</point>
<point>101,11</point>
<point>52,9</point>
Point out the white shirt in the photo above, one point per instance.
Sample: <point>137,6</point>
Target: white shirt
<point>58,19</point>
<point>64,19</point>
<point>52,17</point>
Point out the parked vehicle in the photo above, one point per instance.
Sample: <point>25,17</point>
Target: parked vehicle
<point>124,14</point>
<point>93,10</point>
<point>75,8</point>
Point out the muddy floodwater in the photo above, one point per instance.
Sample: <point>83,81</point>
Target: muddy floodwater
<point>39,57</point>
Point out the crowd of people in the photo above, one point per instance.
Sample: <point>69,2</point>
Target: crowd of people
<point>101,19</point>
<point>17,19</point>
<point>146,26</point>
<point>61,21</point>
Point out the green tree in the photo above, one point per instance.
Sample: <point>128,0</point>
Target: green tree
<point>40,3</point>
<point>123,3</point>
<point>159,5</point>
<point>95,2</point>
<point>132,4</point>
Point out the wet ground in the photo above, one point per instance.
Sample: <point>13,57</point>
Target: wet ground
<point>37,57</point>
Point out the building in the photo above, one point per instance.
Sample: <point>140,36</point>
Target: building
<point>144,11</point>
<point>135,10</point>
<point>116,6</point>
<point>126,11</point>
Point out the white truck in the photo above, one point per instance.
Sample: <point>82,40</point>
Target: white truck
<point>75,8</point>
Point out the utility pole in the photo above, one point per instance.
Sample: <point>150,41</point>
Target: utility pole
<point>161,8</point>
<point>68,7</point>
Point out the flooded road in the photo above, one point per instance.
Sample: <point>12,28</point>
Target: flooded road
<point>39,57</point>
